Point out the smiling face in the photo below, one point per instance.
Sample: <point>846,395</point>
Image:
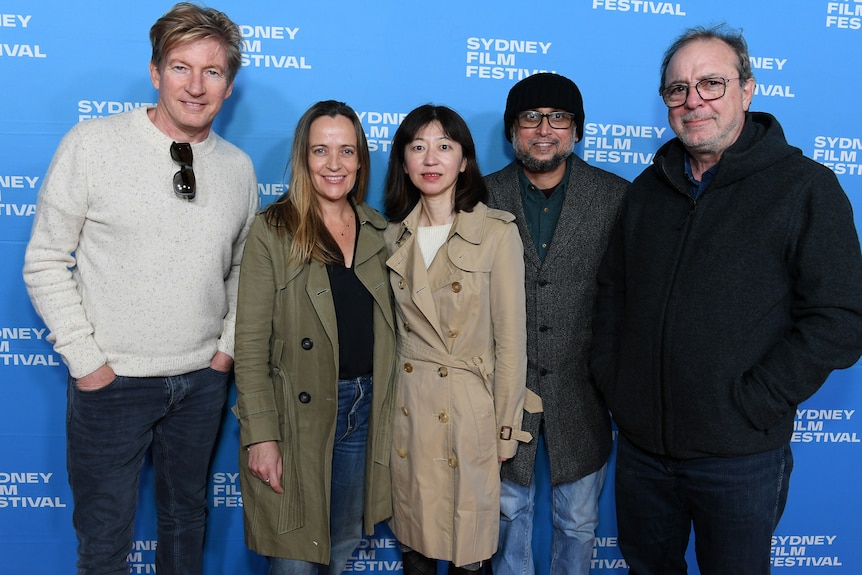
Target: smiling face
<point>433,161</point>
<point>708,128</point>
<point>332,157</point>
<point>543,149</point>
<point>192,87</point>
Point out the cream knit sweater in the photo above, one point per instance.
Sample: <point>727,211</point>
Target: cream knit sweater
<point>122,270</point>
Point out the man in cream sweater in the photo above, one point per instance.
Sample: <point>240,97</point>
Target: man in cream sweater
<point>132,264</point>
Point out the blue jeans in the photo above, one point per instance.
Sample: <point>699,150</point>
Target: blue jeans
<point>575,518</point>
<point>733,503</point>
<point>347,497</point>
<point>108,434</point>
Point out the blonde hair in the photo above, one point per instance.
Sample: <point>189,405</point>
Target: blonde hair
<point>186,22</point>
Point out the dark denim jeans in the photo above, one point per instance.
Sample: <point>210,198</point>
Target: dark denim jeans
<point>346,504</point>
<point>108,434</point>
<point>733,503</point>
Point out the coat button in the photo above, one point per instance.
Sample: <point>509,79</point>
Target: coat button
<point>402,283</point>
<point>543,372</point>
<point>453,462</point>
<point>407,327</point>
<point>453,333</point>
<point>304,397</point>
<point>404,410</point>
<point>544,283</point>
<point>443,417</point>
<point>402,453</point>
<point>307,343</point>
<point>408,367</point>
<point>442,372</point>
<point>543,328</point>
<point>456,287</point>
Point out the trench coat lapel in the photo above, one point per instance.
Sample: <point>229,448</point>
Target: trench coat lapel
<point>320,294</point>
<point>407,262</point>
<point>372,276</point>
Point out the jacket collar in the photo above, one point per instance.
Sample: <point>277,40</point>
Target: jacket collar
<point>470,226</point>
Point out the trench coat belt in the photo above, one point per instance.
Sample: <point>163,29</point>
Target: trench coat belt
<point>533,402</point>
<point>476,365</point>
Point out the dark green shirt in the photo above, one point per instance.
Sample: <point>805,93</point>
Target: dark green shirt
<point>541,211</point>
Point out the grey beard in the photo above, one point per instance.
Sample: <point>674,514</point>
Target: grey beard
<point>535,165</point>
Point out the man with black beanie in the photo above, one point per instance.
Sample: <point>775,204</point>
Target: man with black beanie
<point>565,210</point>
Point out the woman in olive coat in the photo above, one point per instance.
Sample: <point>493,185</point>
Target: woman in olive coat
<point>314,355</point>
<point>457,273</point>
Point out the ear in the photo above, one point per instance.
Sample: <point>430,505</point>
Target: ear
<point>155,76</point>
<point>747,93</point>
<point>463,165</point>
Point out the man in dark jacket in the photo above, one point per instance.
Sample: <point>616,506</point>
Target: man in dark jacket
<point>729,292</point>
<point>565,211</point>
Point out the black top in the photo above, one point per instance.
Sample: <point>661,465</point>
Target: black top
<point>354,309</point>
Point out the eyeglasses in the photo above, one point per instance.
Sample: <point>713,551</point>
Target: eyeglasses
<point>533,119</point>
<point>708,89</point>
<point>184,179</point>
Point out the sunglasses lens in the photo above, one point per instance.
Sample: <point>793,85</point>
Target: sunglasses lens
<point>184,179</point>
<point>184,183</point>
<point>182,153</point>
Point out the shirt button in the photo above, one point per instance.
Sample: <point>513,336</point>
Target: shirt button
<point>456,287</point>
<point>545,246</point>
<point>546,210</point>
<point>442,372</point>
<point>408,367</point>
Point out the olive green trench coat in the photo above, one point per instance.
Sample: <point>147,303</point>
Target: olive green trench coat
<point>287,388</point>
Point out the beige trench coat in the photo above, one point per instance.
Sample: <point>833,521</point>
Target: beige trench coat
<point>287,388</point>
<point>460,381</point>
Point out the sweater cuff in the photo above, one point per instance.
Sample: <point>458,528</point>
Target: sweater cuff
<point>82,356</point>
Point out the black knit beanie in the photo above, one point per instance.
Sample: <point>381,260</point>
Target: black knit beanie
<point>544,90</point>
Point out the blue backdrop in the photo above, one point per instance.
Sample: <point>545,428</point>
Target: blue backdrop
<point>65,62</point>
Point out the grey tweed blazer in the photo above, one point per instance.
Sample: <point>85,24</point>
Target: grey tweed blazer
<point>560,299</point>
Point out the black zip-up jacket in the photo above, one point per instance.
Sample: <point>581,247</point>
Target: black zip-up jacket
<point>715,318</point>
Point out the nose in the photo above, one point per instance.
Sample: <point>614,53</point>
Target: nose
<point>692,98</point>
<point>196,85</point>
<point>430,158</point>
<point>333,162</point>
<point>544,126</point>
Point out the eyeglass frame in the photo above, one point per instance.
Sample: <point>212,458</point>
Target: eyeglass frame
<point>185,184</point>
<point>542,117</point>
<point>696,84</point>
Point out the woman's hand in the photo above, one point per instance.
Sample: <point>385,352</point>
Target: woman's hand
<point>264,462</point>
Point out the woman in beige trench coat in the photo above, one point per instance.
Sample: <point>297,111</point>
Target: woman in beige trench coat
<point>315,344</point>
<point>457,273</point>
